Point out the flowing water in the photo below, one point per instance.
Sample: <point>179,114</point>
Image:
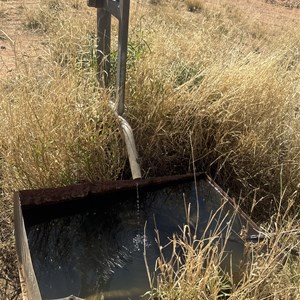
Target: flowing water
<point>98,253</point>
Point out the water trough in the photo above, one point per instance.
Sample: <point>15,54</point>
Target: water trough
<point>88,240</point>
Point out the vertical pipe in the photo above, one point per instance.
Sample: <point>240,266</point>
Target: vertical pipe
<point>122,54</point>
<point>103,46</point>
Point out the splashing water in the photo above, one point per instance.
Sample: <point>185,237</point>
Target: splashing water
<point>140,240</point>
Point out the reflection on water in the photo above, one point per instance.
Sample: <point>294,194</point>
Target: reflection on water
<point>98,254</point>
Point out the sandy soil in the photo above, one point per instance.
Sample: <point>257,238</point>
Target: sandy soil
<point>274,13</point>
<point>15,40</point>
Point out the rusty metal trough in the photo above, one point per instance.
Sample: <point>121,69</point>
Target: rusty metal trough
<point>44,205</point>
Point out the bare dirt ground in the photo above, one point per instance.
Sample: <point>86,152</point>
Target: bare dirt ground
<point>275,13</point>
<point>15,40</point>
<point>18,42</point>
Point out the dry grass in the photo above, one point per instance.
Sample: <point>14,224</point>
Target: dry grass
<point>63,132</point>
<point>193,271</point>
<point>272,265</point>
<point>215,79</point>
<point>290,4</point>
<point>9,276</point>
<point>194,5</point>
<point>234,92</point>
<point>269,270</point>
<point>56,114</point>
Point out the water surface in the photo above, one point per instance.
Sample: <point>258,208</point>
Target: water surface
<point>98,253</point>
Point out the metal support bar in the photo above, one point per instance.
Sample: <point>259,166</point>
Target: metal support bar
<point>119,9</point>
<point>110,5</point>
<point>122,55</point>
<point>113,8</point>
<point>103,46</point>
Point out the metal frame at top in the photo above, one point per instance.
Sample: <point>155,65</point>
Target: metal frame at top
<point>120,10</point>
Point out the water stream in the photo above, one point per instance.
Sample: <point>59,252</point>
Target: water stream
<point>98,253</point>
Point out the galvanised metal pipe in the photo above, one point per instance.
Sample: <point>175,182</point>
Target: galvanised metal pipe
<point>131,149</point>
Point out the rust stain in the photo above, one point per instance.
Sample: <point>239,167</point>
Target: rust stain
<point>48,196</point>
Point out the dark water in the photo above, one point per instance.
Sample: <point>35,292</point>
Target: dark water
<point>98,254</point>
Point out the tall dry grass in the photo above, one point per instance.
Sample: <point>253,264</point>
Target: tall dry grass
<point>57,126</point>
<point>57,129</point>
<point>212,77</point>
<point>231,88</point>
<point>195,270</point>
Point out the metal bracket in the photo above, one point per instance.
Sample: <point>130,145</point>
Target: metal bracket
<point>111,6</point>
